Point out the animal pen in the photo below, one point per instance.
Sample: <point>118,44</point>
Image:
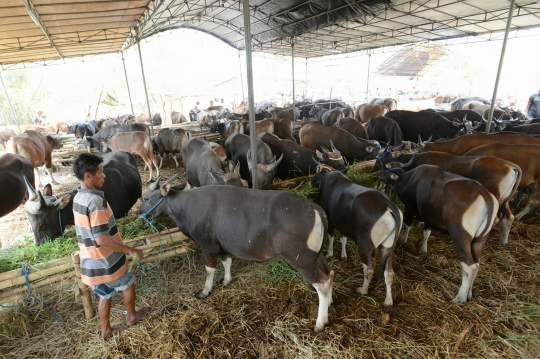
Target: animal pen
<point>267,311</point>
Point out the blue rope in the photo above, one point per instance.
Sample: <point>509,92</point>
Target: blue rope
<point>143,215</point>
<point>24,272</point>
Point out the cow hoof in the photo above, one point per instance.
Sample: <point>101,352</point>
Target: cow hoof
<point>459,300</point>
<point>318,328</point>
<point>329,255</point>
<point>201,295</point>
<point>359,290</point>
<point>422,253</point>
<point>344,258</point>
<point>503,243</point>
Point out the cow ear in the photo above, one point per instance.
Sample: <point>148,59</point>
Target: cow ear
<point>47,190</point>
<point>456,123</point>
<point>502,127</point>
<point>215,175</point>
<point>394,176</point>
<point>248,157</point>
<point>64,201</point>
<point>319,155</point>
<point>231,166</point>
<point>164,189</point>
<point>369,149</point>
<point>237,168</point>
<point>395,154</point>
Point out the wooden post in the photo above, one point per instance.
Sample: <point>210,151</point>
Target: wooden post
<point>89,312</point>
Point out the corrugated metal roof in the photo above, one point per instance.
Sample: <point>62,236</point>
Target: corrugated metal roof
<point>318,27</point>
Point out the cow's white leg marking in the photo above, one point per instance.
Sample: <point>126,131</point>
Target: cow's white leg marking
<point>330,252</point>
<point>343,247</point>
<point>160,161</point>
<point>423,249</point>
<point>506,223</point>
<point>368,274</point>
<point>175,160</point>
<point>50,172</point>
<point>227,266</point>
<point>38,175</point>
<point>316,237</point>
<point>476,268</point>
<point>468,273</point>
<point>388,280</point>
<point>208,284</point>
<point>405,234</point>
<point>324,290</point>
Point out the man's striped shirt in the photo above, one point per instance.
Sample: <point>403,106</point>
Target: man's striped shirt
<point>94,218</point>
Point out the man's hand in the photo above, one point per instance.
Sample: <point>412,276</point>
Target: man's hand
<point>139,253</point>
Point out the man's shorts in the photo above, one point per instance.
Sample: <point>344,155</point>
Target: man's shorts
<point>108,290</point>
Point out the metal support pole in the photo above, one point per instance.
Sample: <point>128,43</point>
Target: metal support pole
<point>9,101</point>
<point>293,93</point>
<point>367,84</point>
<point>144,82</point>
<point>251,97</point>
<point>127,83</point>
<point>305,83</point>
<point>241,76</point>
<point>506,31</point>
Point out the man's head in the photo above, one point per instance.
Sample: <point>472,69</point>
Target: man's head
<point>211,103</point>
<point>198,102</point>
<point>87,168</point>
<point>40,113</point>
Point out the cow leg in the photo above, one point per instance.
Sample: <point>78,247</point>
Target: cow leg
<point>343,247</point>
<point>324,290</point>
<point>38,175</point>
<point>50,172</point>
<point>226,260</point>
<point>405,234</point>
<point>506,223</point>
<point>365,257</point>
<point>331,234</point>
<point>476,251</point>
<point>208,284</point>
<point>387,261</point>
<point>463,246</point>
<point>175,160</point>
<point>160,161</point>
<point>427,233</point>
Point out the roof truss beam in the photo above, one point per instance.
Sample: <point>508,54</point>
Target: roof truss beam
<point>35,17</point>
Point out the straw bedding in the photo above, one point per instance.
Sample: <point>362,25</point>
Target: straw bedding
<point>268,311</point>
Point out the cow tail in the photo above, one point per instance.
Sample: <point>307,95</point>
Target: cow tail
<point>398,218</point>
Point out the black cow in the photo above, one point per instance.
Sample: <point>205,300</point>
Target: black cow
<point>156,120</point>
<point>251,225</point>
<point>12,184</point>
<point>258,116</point>
<point>49,214</point>
<point>169,141</point>
<point>452,204</point>
<point>264,106</point>
<point>314,136</point>
<point>352,126</point>
<point>325,116</point>
<point>385,130</point>
<point>532,129</point>
<point>330,104</point>
<point>229,127</point>
<point>300,161</point>
<point>458,103</point>
<point>367,216</point>
<point>203,166</point>
<point>425,124</point>
<point>238,150</point>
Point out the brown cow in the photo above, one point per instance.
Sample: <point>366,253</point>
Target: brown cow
<point>136,143</point>
<point>12,184</point>
<point>460,145</point>
<point>527,158</point>
<point>222,155</point>
<point>36,148</point>
<point>366,112</point>
<point>177,117</point>
<point>283,128</point>
<point>352,126</point>
<point>6,134</point>
<point>285,113</point>
<point>62,127</point>
<point>389,102</point>
<point>260,126</point>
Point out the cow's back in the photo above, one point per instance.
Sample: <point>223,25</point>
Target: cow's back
<point>123,185</point>
<point>12,185</point>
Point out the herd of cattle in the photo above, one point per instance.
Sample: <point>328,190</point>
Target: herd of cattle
<point>461,184</point>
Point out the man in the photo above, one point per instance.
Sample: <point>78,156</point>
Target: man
<point>38,120</point>
<point>533,106</point>
<point>104,266</point>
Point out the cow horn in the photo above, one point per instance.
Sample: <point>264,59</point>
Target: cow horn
<point>332,146</point>
<point>154,186</point>
<point>464,118</point>
<point>316,160</point>
<point>325,150</point>
<point>275,163</point>
<point>32,195</point>
<point>172,178</point>
<point>419,141</point>
<point>248,158</point>
<point>429,139</point>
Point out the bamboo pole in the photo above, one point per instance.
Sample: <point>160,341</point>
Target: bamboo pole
<point>34,276</point>
<point>89,312</point>
<point>167,254</point>
<point>53,279</point>
<point>21,296</point>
